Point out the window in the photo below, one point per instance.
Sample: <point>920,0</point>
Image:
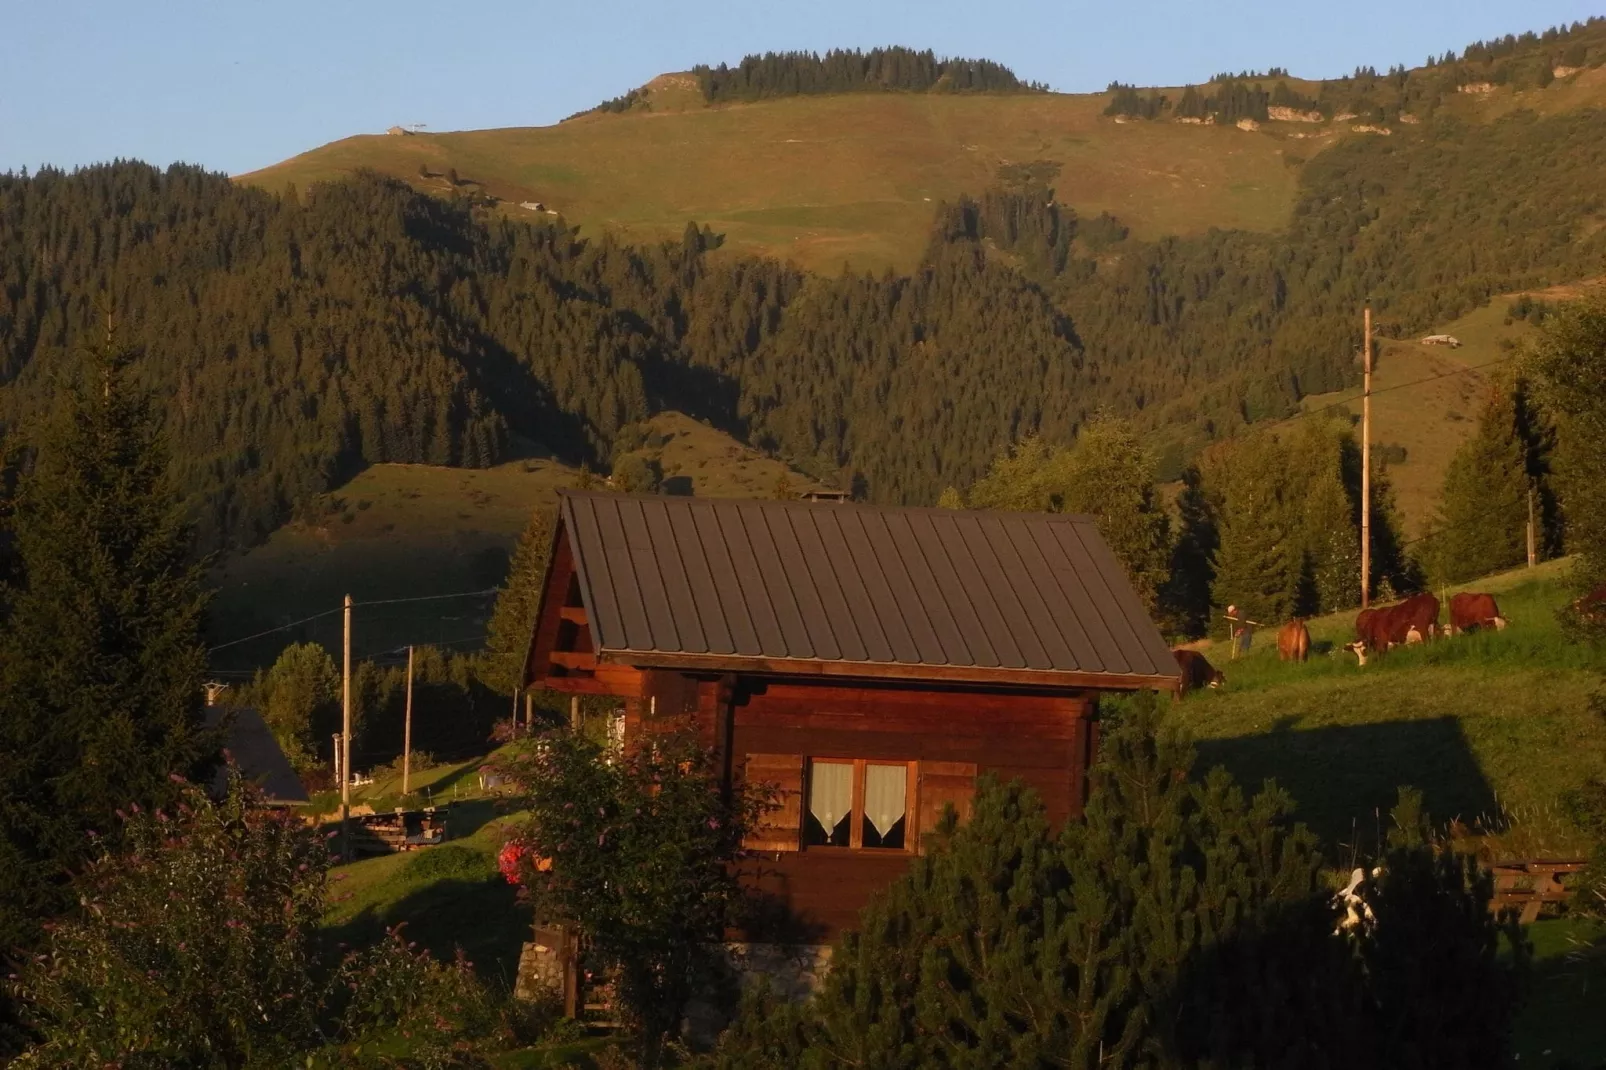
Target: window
<point>868,804</point>
<point>857,804</point>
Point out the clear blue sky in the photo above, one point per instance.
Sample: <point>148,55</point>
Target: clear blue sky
<point>239,84</point>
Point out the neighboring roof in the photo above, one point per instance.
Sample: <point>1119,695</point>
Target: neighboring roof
<point>259,757</point>
<point>776,586</point>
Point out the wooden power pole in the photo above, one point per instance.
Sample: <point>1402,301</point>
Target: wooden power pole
<point>1533,530</point>
<point>1366,464</point>
<point>407,726</point>
<point>345,743</point>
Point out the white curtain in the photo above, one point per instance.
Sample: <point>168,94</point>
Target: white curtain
<point>830,793</point>
<point>885,790</point>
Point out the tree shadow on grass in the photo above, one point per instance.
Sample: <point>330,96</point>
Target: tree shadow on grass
<point>1345,778</point>
<point>481,916</point>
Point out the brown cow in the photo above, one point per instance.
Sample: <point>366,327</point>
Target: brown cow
<point>1293,641</point>
<point>1414,620</point>
<point>1469,612</point>
<point>1196,671</point>
<point>1591,609</point>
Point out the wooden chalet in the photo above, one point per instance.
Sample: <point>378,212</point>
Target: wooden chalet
<point>869,661</point>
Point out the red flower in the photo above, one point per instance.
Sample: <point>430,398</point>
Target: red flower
<point>508,860</point>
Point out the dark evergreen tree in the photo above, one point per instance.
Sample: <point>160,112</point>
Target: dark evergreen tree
<point>1444,972</point>
<point>1571,360</point>
<point>1257,559</point>
<point>1185,600</point>
<point>512,623</point>
<point>1483,511</point>
<point>100,655</point>
<point>1178,924</point>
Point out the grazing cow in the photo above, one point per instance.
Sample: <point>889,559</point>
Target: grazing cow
<point>1591,609</point>
<point>1420,613</point>
<point>1414,620</point>
<point>1293,641</point>
<point>1469,612</point>
<point>1196,671</point>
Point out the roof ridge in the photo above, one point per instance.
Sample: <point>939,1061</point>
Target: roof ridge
<point>789,503</point>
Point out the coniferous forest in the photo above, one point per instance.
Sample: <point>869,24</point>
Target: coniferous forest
<point>880,70</point>
<point>303,335</point>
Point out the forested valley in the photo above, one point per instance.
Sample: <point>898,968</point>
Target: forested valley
<point>301,336</point>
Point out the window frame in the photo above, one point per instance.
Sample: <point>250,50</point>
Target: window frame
<point>855,845</point>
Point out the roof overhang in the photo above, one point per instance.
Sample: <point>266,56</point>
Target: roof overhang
<point>976,675</point>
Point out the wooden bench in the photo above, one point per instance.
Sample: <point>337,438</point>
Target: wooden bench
<point>1531,884</point>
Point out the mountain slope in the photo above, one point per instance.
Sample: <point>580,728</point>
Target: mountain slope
<point>823,180</point>
<point>827,179</point>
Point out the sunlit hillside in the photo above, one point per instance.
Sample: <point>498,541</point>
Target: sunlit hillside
<point>854,178</point>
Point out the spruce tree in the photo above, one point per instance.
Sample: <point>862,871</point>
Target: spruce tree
<point>1570,358</point>
<point>1483,510</point>
<point>1256,562</point>
<point>101,659</point>
<point>1185,600</point>
<point>507,636</point>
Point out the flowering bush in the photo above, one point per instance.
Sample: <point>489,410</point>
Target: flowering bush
<point>637,849</point>
<point>511,860</point>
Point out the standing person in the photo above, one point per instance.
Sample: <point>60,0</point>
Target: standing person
<point>1240,631</point>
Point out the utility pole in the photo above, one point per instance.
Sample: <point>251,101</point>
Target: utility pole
<point>407,726</point>
<point>337,757</point>
<point>1533,532</point>
<point>345,744</point>
<point>529,712</point>
<point>1366,465</point>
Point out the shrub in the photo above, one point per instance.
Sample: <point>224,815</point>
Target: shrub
<point>198,946</point>
<point>1180,923</point>
<point>637,849</point>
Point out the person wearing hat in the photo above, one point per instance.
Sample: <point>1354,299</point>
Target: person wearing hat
<point>1240,630</point>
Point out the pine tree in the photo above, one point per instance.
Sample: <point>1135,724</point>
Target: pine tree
<point>1185,599</point>
<point>1571,361</point>
<point>507,636</point>
<point>1256,562</point>
<point>1483,509</point>
<point>100,655</point>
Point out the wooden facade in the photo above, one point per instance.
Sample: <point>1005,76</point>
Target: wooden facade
<point>876,749</point>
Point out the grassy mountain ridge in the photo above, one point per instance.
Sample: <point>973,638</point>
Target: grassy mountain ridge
<point>849,177</point>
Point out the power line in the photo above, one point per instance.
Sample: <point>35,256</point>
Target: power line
<point>330,612</point>
<point>426,598</point>
<point>1382,390</point>
<point>271,631</point>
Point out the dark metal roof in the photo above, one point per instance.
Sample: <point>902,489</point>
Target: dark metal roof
<point>258,756</point>
<point>998,597</point>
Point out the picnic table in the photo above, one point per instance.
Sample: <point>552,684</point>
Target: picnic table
<point>1532,883</point>
<point>400,830</point>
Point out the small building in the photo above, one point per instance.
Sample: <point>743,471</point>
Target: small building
<point>870,662</point>
<point>257,755</point>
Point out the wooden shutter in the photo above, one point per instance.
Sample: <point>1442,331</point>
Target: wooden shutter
<point>943,784</point>
<point>780,829</point>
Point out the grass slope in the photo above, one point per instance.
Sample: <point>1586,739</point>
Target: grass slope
<point>1427,398</point>
<point>1490,725</point>
<point>407,531</point>
<point>833,179</point>
<point>854,178</point>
